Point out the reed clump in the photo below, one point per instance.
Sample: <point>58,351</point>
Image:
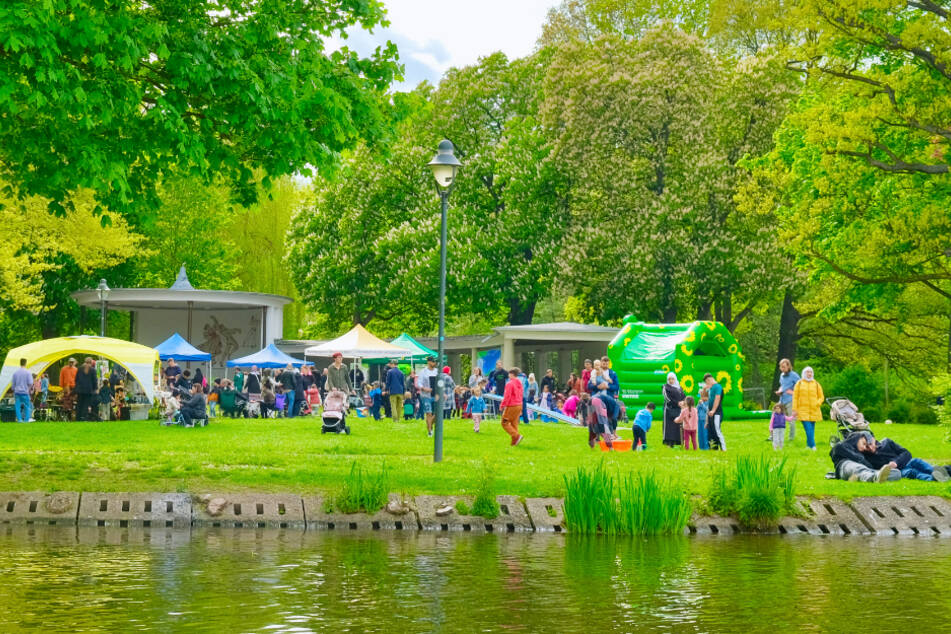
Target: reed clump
<point>757,489</point>
<point>363,490</point>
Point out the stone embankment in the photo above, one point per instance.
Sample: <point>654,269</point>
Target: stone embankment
<point>923,515</point>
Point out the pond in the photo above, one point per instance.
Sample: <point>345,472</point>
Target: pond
<point>261,581</point>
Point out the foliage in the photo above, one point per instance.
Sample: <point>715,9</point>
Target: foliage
<point>485,504</point>
<point>589,501</point>
<point>127,96</point>
<point>462,508</point>
<point>758,489</point>
<point>363,491</point>
<point>857,384</point>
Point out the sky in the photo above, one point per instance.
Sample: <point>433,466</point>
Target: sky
<point>434,35</point>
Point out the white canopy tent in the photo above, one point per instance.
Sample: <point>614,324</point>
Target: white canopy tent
<point>358,344</point>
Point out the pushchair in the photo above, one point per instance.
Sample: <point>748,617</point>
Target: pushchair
<point>847,418</point>
<point>334,415</point>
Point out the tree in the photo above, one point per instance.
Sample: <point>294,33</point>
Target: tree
<point>116,97</point>
<point>650,132</point>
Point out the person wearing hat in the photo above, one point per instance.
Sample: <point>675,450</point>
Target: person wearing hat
<point>426,383</point>
<point>395,384</point>
<point>338,377</point>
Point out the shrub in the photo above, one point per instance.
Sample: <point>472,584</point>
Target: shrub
<point>900,412</point>
<point>363,491</point>
<point>856,383</point>
<point>925,416</point>
<point>485,505</point>
<point>757,489</point>
<point>462,508</point>
<point>589,501</point>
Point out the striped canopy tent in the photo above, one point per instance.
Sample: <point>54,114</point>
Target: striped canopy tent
<point>141,361</point>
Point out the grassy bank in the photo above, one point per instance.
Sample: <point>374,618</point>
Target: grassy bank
<point>292,456</point>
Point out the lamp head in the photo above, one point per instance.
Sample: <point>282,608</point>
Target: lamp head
<point>103,290</point>
<point>444,164</point>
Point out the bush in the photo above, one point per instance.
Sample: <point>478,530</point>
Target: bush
<point>646,505</point>
<point>857,384</point>
<point>757,489</point>
<point>363,491</point>
<point>925,416</point>
<point>485,505</point>
<point>900,412</point>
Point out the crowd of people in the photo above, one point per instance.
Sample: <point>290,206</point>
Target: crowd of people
<point>85,392</point>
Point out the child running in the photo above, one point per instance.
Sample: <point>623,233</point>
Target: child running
<point>476,408</point>
<point>688,418</point>
<point>777,426</point>
<point>642,425</point>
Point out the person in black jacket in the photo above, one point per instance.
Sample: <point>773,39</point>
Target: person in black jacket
<point>194,408</point>
<point>86,389</point>
<point>852,464</point>
<point>498,377</point>
<point>879,453</point>
<point>549,380</point>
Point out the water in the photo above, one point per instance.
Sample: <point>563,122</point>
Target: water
<point>243,580</point>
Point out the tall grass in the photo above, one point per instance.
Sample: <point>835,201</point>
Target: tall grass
<point>645,504</point>
<point>363,491</point>
<point>485,504</point>
<point>758,489</point>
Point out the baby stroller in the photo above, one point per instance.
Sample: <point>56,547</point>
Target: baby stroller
<point>334,415</point>
<point>847,418</point>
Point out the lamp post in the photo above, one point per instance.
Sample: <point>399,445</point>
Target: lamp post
<point>103,292</point>
<point>444,166</point>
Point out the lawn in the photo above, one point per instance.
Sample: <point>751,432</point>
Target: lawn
<point>293,456</point>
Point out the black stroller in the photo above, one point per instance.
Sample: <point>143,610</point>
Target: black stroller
<point>334,415</point>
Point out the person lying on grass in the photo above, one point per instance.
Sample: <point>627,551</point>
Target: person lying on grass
<point>879,453</point>
<point>852,464</point>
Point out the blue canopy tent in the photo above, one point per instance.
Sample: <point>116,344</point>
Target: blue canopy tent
<point>269,357</point>
<point>176,347</point>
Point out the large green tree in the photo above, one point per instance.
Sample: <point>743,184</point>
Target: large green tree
<point>114,96</point>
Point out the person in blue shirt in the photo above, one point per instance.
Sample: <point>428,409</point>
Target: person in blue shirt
<point>787,381</point>
<point>376,400</point>
<point>642,425</point>
<point>395,384</point>
<point>614,388</point>
<point>476,407</point>
<point>524,379</point>
<point>715,412</point>
<point>702,440</point>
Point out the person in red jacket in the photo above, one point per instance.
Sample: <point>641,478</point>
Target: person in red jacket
<point>512,406</point>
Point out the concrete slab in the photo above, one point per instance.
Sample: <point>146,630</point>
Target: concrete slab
<point>37,507</point>
<point>247,510</point>
<point>149,510</point>
<point>513,517</point>
<point>318,518</point>
<point>912,515</point>
<point>712,525</point>
<point>547,514</point>
<point>824,516</point>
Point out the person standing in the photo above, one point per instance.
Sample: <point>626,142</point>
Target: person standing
<point>172,370</point>
<point>498,377</point>
<point>426,385</point>
<point>475,377</point>
<point>586,376</point>
<point>338,378</point>
<point>807,405</point>
<point>395,384</point>
<point>238,380</point>
<point>614,387</point>
<point>549,380</point>
<point>67,376</point>
<point>252,384</point>
<point>787,383</point>
<point>714,412</point>
<point>512,406</point>
<point>22,384</point>
<point>673,398</point>
<point>289,383</point>
<point>86,389</point>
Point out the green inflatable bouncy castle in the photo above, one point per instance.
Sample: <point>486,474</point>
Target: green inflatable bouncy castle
<point>642,355</point>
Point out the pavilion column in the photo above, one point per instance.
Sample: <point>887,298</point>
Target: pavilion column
<point>564,365</point>
<point>508,352</point>
<point>190,306</point>
<point>541,364</point>
<point>473,359</point>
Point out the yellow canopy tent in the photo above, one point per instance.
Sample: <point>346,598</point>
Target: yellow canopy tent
<point>141,361</point>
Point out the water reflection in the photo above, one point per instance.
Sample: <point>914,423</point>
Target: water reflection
<point>219,580</point>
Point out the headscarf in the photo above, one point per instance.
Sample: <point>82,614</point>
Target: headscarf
<point>671,375</point>
<point>808,369</point>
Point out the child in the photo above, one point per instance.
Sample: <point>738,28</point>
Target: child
<point>376,400</point>
<point>544,400</point>
<point>44,388</point>
<point>570,407</point>
<point>105,400</point>
<point>688,418</point>
<point>313,397</point>
<point>702,406</point>
<point>642,425</point>
<point>409,406</point>
<point>777,426</point>
<point>476,407</point>
<point>213,397</point>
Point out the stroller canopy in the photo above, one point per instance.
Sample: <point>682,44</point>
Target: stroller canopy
<point>269,357</point>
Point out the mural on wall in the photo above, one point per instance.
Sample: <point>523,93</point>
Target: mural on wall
<point>220,340</point>
<point>253,337</point>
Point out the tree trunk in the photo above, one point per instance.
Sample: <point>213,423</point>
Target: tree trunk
<point>520,314</point>
<point>703,311</point>
<point>788,336</point>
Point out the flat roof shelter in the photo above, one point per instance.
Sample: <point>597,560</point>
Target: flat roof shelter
<point>226,324</point>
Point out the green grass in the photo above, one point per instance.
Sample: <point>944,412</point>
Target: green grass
<point>292,456</point>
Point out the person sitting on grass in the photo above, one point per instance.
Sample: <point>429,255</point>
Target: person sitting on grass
<point>887,452</point>
<point>642,425</point>
<point>851,463</point>
<point>194,408</point>
<point>267,399</point>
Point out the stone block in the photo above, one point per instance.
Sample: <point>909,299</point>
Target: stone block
<point>547,514</point>
<point>318,518</point>
<point>37,507</point>
<point>911,515</point>
<point>825,516</point>
<point>512,519</point>
<point>149,510</point>
<point>247,510</point>
<point>712,525</point>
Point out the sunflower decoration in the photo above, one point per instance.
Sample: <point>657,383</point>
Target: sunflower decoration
<point>678,365</point>
<point>665,368</point>
<point>739,384</point>
<point>733,348</point>
<point>687,383</point>
<point>691,336</point>
<point>686,350</point>
<point>712,325</point>
<point>627,340</point>
<point>723,378</point>
<point>737,367</point>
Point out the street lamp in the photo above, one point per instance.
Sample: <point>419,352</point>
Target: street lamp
<point>444,166</point>
<point>103,292</point>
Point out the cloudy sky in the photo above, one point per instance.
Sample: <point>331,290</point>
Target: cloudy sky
<point>434,35</point>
